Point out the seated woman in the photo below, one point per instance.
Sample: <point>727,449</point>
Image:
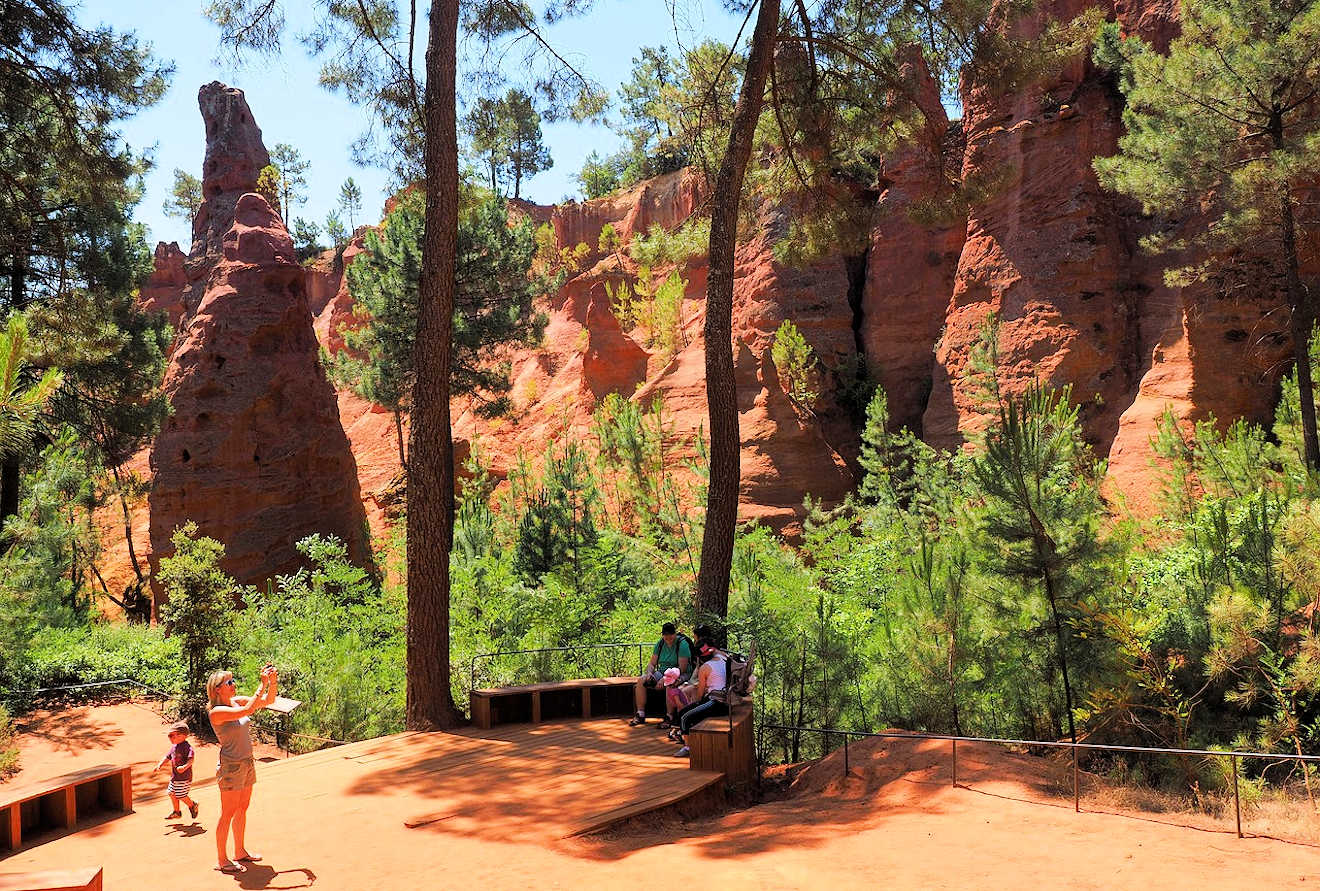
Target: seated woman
<point>712,686</point>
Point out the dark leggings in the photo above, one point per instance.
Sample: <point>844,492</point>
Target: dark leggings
<point>706,708</point>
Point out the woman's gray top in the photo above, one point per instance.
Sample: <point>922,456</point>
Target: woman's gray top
<point>235,740</point>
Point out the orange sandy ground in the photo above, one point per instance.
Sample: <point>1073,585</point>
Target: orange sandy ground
<point>335,820</point>
<point>52,742</point>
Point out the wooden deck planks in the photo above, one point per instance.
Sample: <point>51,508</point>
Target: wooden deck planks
<point>597,772</point>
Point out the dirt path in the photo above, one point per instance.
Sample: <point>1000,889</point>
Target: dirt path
<point>63,740</point>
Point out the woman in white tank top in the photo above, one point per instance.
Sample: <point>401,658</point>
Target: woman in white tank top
<point>712,677</point>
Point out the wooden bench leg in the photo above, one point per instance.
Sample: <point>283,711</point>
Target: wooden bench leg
<point>117,791</point>
<point>586,702</point>
<point>60,807</point>
<point>481,712</point>
<point>13,825</point>
<point>536,706</point>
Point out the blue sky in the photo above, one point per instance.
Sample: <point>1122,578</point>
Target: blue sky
<point>290,106</point>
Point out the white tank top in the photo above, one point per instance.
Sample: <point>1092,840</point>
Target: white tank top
<point>719,673</point>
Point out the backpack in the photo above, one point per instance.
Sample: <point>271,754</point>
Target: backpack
<point>694,657</point>
<point>739,680</point>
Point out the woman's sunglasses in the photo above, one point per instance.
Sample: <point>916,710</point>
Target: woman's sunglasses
<point>230,683</point>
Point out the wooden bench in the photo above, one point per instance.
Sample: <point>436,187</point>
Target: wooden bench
<point>54,880</point>
<point>57,802</point>
<point>732,753</point>
<point>534,703</point>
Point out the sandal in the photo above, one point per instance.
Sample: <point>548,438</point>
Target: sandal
<point>231,868</point>
<point>250,858</point>
<point>637,721</point>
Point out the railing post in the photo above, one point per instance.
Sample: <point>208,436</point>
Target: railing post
<point>955,762</point>
<point>1077,799</point>
<point>1237,803</point>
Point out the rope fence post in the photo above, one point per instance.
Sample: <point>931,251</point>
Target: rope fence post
<point>1237,802</point>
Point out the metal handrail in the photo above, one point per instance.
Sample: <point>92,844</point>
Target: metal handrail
<point>1233,754</point>
<point>472,666</point>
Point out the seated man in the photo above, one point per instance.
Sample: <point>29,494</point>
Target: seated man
<point>670,651</point>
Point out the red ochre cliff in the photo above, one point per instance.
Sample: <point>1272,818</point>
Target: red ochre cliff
<point>1049,252</point>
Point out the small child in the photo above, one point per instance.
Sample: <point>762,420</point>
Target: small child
<point>180,759</point>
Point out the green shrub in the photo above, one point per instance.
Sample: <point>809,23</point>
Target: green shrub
<point>200,611</point>
<point>64,656</point>
<point>338,640</point>
<point>8,746</point>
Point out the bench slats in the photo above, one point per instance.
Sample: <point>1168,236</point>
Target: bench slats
<point>485,702</point>
<point>53,880</point>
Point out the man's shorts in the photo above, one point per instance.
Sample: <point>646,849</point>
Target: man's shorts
<point>233,776</point>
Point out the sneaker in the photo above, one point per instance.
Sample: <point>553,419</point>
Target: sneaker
<point>194,808</point>
<point>637,720</point>
<point>676,735</point>
<point>683,752</point>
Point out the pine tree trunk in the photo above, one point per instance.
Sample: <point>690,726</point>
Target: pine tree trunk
<point>431,473</point>
<point>128,524</point>
<point>1063,653</point>
<point>721,391</point>
<point>10,466</point>
<point>398,439</point>
<point>1303,320</point>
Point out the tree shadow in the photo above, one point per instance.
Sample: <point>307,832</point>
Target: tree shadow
<point>67,731</point>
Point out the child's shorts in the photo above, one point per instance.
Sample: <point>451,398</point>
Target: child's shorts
<point>179,788</point>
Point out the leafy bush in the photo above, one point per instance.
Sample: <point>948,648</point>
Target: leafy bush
<point>337,637</point>
<point>8,746</point>
<point>58,657</point>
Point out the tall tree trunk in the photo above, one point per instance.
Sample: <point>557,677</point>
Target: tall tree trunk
<point>1303,321</point>
<point>721,392</point>
<point>128,523</point>
<point>11,475</point>
<point>430,704</point>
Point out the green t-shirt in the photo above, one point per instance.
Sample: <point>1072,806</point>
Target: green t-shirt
<point>667,656</point>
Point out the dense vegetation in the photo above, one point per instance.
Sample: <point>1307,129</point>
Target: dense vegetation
<point>1000,590</point>
<point>929,600</point>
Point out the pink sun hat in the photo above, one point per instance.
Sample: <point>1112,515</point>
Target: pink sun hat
<point>671,677</point>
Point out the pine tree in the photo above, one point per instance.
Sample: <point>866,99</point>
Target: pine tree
<point>493,308</point>
<point>1043,507</point>
<point>350,202</point>
<point>528,155</point>
<point>290,177</point>
<point>185,197</point>
<point>721,388</point>
<point>68,182</point>
<point>374,64</point>
<point>1225,124</point>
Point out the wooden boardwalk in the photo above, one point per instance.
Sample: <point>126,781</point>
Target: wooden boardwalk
<point>514,784</point>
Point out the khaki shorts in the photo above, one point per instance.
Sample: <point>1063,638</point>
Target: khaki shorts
<point>233,776</point>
